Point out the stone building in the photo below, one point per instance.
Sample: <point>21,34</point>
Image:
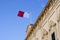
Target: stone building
<point>47,25</point>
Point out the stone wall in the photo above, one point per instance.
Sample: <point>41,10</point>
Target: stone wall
<point>43,30</point>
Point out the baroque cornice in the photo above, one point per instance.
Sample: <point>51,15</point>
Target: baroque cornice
<point>44,12</point>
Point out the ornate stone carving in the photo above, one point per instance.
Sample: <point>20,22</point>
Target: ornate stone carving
<point>45,32</point>
<point>52,23</point>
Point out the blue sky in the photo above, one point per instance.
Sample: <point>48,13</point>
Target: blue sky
<point>13,27</point>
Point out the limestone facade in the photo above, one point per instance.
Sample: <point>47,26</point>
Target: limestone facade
<point>47,25</point>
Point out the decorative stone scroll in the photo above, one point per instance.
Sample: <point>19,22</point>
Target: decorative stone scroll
<point>51,24</point>
<point>45,32</point>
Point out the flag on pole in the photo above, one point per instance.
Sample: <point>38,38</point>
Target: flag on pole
<point>23,14</point>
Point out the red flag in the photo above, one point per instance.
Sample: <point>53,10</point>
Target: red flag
<point>20,13</point>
